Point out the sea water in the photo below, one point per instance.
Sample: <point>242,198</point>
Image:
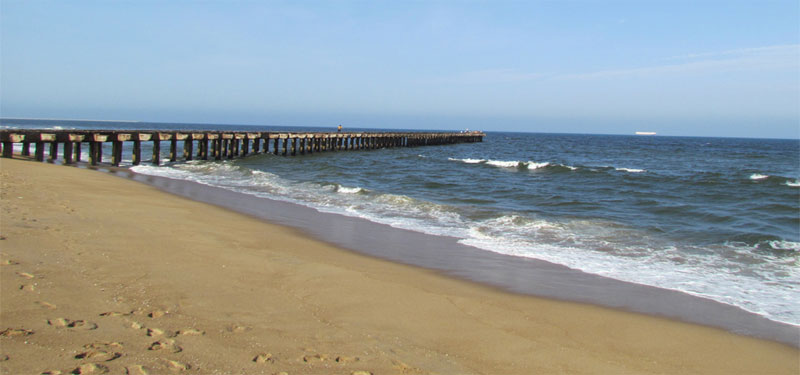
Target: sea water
<point>713,217</point>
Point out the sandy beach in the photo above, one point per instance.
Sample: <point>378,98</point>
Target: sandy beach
<point>103,274</point>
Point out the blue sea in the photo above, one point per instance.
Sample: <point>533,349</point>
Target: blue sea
<point>712,217</point>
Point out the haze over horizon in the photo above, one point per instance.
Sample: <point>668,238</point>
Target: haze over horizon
<point>705,68</point>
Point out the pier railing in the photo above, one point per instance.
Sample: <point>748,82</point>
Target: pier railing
<point>208,145</point>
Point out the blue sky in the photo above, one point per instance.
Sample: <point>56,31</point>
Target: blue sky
<point>724,68</point>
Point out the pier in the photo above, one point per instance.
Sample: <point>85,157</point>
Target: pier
<point>207,145</point>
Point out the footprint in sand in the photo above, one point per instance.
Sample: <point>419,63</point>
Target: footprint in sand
<point>99,355</point>
<point>115,314</point>
<point>69,323</point>
<point>104,345</point>
<point>157,313</point>
<point>191,332</point>
<point>51,372</point>
<point>154,332</point>
<point>136,370</point>
<point>16,332</point>
<point>346,359</point>
<point>8,262</point>
<point>264,358</point>
<point>28,287</point>
<point>402,367</point>
<point>315,358</point>
<point>90,368</point>
<point>4,358</point>
<point>46,305</point>
<point>168,345</point>
<point>235,328</point>
<point>176,366</point>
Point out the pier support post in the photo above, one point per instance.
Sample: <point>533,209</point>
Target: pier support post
<point>8,149</point>
<point>188,146</point>
<point>218,149</point>
<point>68,152</point>
<point>275,146</point>
<point>26,148</point>
<point>39,151</point>
<point>53,150</point>
<point>201,144</point>
<point>93,146</point>
<point>156,149</point>
<point>137,152</point>
<point>78,152</point>
<point>116,152</point>
<point>203,148</point>
<point>256,146</point>
<point>173,148</point>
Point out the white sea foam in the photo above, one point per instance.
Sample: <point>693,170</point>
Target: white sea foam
<point>795,183</point>
<point>468,161</point>
<point>630,170</point>
<point>757,176</point>
<point>594,247</point>
<point>785,245</point>
<point>535,165</point>
<point>503,163</point>
<point>530,165</point>
<point>348,190</point>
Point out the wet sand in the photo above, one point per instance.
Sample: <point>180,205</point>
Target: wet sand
<point>103,273</point>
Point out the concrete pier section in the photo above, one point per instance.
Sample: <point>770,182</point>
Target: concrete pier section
<point>210,145</point>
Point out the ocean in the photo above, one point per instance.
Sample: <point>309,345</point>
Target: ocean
<point>717,218</point>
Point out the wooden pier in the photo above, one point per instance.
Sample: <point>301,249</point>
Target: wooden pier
<point>207,145</point>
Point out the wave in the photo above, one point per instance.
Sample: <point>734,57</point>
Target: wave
<point>758,176</point>
<point>468,161</point>
<point>630,170</point>
<point>504,164</point>
<point>530,165</point>
<point>349,190</point>
<point>795,183</point>
<point>784,245</point>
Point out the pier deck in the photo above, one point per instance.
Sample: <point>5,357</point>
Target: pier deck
<point>208,145</point>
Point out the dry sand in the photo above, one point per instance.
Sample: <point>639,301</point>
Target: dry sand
<point>101,274</point>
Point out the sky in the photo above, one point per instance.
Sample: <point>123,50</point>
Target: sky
<point>691,68</point>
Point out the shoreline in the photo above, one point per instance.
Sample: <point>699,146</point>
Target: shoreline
<point>174,284</point>
<point>519,275</point>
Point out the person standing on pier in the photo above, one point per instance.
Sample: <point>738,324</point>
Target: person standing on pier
<point>339,129</point>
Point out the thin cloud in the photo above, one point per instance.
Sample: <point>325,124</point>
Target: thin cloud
<point>768,50</point>
<point>487,76</point>
<point>762,58</point>
<point>744,59</point>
